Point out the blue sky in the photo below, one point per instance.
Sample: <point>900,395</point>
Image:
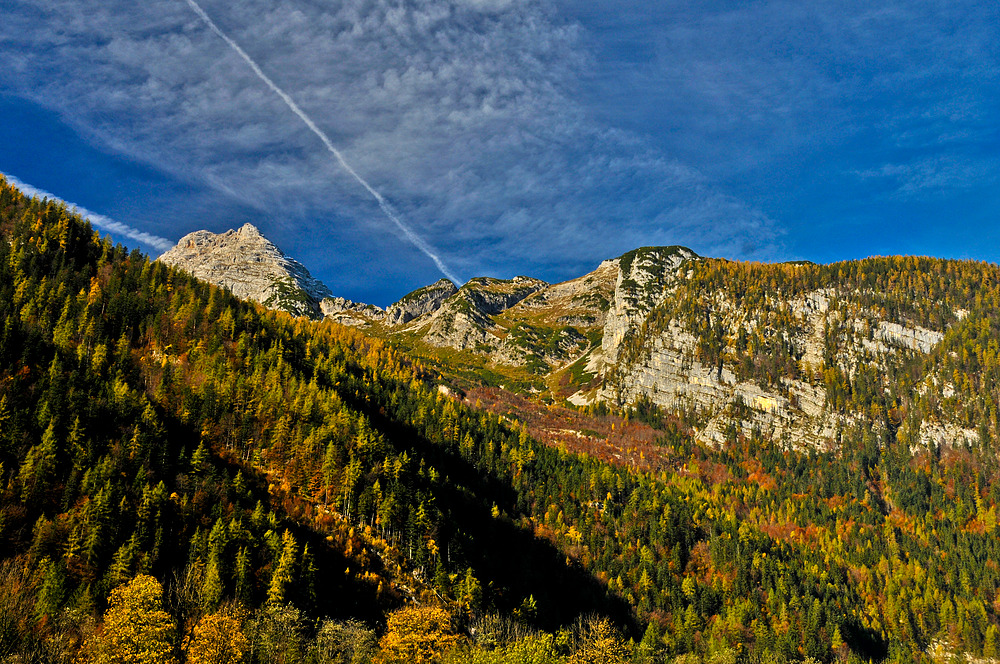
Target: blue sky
<point>516,137</point>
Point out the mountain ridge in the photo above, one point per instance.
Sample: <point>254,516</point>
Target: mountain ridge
<point>664,325</point>
<point>274,472</point>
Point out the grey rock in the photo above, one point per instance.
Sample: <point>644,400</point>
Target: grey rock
<point>463,321</point>
<point>348,312</point>
<point>421,301</point>
<point>251,267</point>
<point>644,276</point>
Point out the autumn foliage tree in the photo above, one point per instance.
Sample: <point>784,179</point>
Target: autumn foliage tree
<point>417,635</point>
<point>136,628</point>
<point>217,639</point>
<point>601,644</point>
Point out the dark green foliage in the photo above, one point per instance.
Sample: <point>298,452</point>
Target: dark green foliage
<point>150,423</point>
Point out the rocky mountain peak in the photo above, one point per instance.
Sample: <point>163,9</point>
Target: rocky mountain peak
<point>249,265</point>
<point>644,277</point>
<point>421,301</point>
<point>248,230</point>
<point>464,319</point>
<point>349,312</point>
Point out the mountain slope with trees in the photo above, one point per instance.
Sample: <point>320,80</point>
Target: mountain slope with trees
<point>153,424</point>
<point>171,452</point>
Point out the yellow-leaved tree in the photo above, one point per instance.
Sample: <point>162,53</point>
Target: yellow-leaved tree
<point>417,635</point>
<point>601,645</point>
<point>136,629</point>
<point>217,639</point>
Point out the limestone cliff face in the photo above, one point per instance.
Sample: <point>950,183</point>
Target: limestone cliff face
<point>348,312</point>
<point>464,320</point>
<point>657,324</point>
<point>251,267</point>
<point>637,328</point>
<point>643,281</point>
<point>421,301</point>
<point>665,362</point>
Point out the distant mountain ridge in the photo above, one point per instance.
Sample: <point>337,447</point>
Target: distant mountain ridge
<point>742,347</point>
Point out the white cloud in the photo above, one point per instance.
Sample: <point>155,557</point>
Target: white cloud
<point>463,113</point>
<point>108,224</point>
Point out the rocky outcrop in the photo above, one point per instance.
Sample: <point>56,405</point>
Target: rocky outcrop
<point>489,296</point>
<point>672,378</point>
<point>643,282</point>
<point>251,267</point>
<point>539,349</point>
<point>582,302</point>
<point>464,320</point>
<point>421,301</point>
<point>915,338</point>
<point>794,410</point>
<point>348,312</point>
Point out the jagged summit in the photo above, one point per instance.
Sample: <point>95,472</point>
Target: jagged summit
<point>464,320</point>
<point>248,230</point>
<point>251,267</point>
<point>421,301</point>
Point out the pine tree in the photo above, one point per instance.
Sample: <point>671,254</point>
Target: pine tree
<point>199,459</point>
<point>39,465</point>
<point>284,571</point>
<point>307,578</point>
<point>243,573</point>
<point>212,589</point>
<point>651,646</point>
<point>53,588</point>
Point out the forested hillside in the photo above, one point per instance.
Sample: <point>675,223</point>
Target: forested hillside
<point>153,424</point>
<point>264,489</point>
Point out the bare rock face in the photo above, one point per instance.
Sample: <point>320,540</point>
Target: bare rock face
<point>421,301</point>
<point>643,282</point>
<point>464,320</point>
<point>349,312</point>
<point>490,296</point>
<point>796,410</point>
<point>582,302</point>
<point>251,267</point>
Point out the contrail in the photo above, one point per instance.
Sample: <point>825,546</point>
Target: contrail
<point>415,239</point>
<point>99,220</point>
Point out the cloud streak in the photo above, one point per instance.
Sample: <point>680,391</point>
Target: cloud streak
<point>408,232</point>
<point>466,114</point>
<point>108,224</point>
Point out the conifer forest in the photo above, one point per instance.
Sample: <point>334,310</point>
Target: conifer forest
<point>188,477</point>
